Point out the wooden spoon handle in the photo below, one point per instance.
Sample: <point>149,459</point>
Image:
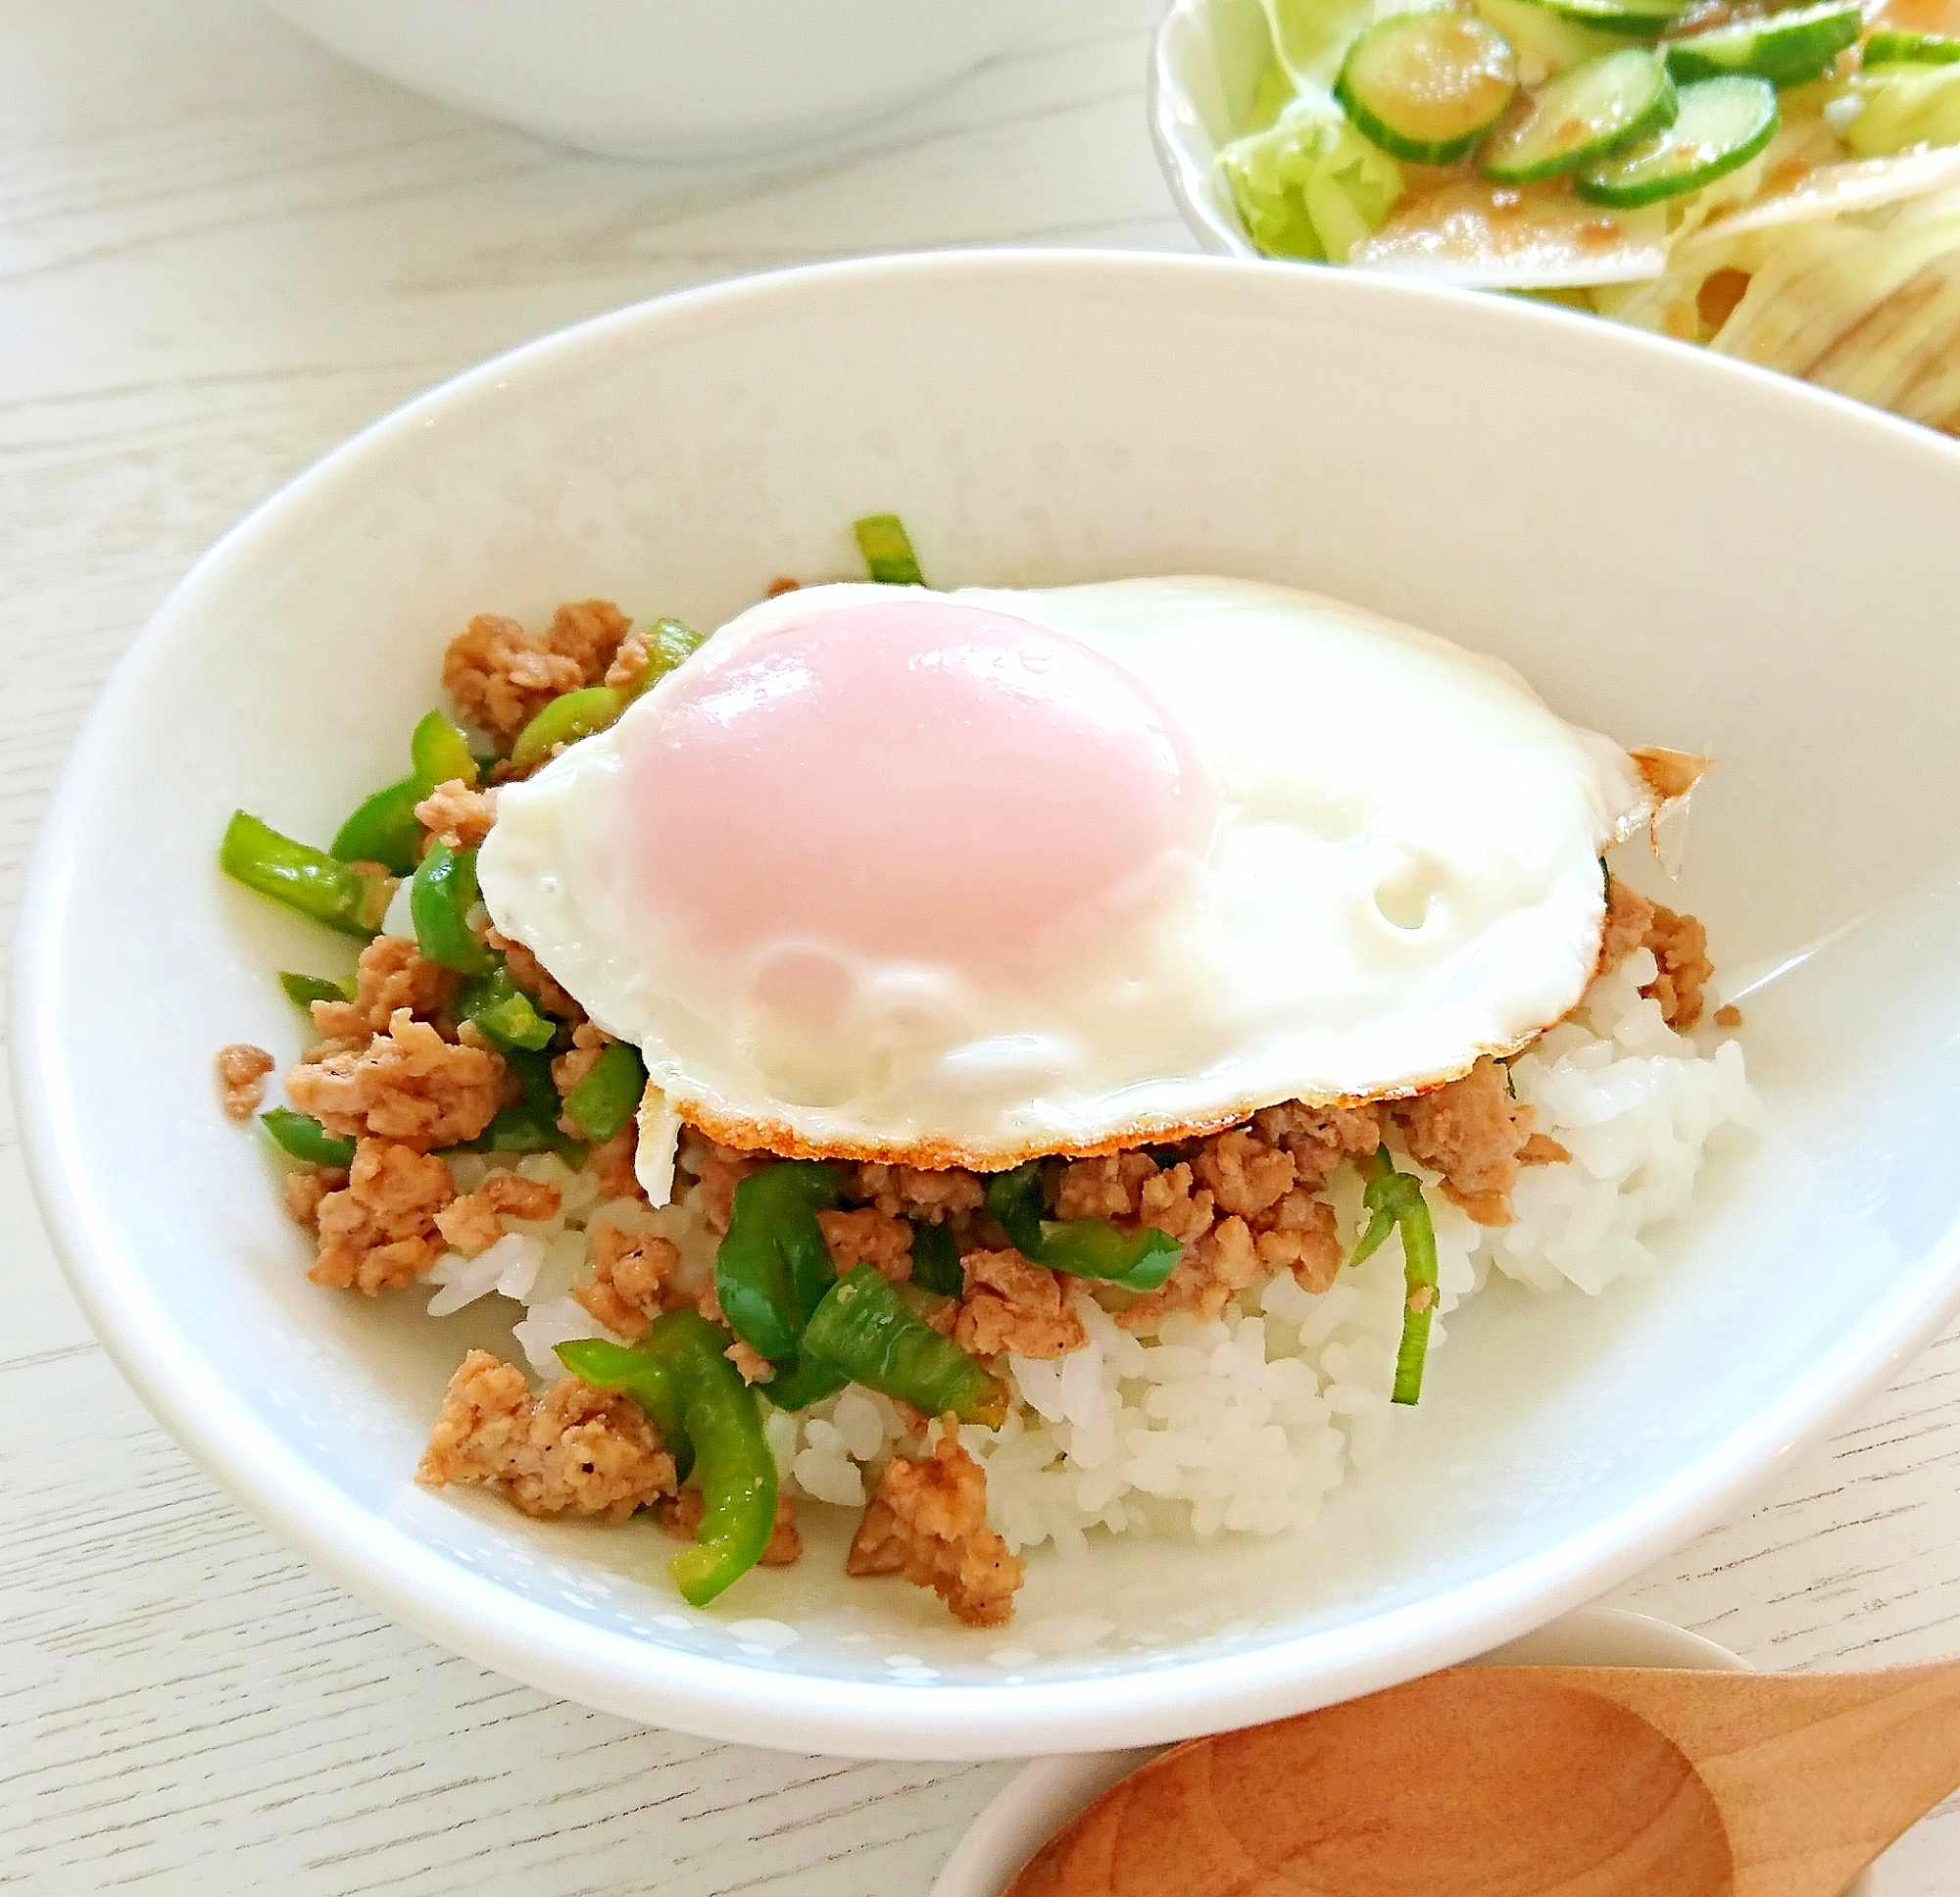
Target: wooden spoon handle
<point>1814,1775</point>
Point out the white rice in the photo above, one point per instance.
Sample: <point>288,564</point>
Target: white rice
<point>1247,1423</point>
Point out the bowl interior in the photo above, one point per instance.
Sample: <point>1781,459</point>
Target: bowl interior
<point>1671,548</point>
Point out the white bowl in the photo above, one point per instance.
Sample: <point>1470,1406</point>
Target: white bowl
<point>1205,64</point>
<point>1672,546</point>
<point>1038,1800</point>
<point>668,78</point>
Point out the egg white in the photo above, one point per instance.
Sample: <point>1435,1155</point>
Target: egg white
<point>1403,875</point>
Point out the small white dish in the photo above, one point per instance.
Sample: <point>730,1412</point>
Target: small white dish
<point>1670,547</point>
<point>1042,1797</point>
<point>668,78</point>
<point>1205,63</point>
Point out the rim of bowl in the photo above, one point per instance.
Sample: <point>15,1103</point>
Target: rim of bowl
<point>390,1569</point>
<point>1166,98</point>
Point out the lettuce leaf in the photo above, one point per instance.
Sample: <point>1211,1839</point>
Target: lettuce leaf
<point>1311,37</point>
<point>1310,186</point>
<point>1893,108</point>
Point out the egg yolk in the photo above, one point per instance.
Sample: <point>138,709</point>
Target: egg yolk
<point>907,781</point>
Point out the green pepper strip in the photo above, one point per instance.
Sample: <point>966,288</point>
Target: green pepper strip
<point>302,1136</point>
<point>440,753</point>
<point>802,1380</point>
<point>671,643</point>
<point>888,550</point>
<point>936,1260</point>
<point>569,717</point>
<point>384,830</point>
<point>573,716</point>
<point>733,1467</point>
<point>603,1100</point>
<point>773,1267</point>
<point>1396,1199</point>
<point>645,1379</point>
<point>505,1012</point>
<point>1137,1261</point>
<point>532,1125</point>
<point>309,988</point>
<point>869,1331</point>
<point>347,896</point>
<point>440,899</point>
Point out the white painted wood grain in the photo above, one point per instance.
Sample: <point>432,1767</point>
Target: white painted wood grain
<point>221,251</point>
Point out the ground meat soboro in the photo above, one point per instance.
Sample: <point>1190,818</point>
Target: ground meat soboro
<point>502,676</point>
<point>868,1236</point>
<point>928,1522</point>
<point>630,1275</point>
<point>408,1085</point>
<point>241,1077</point>
<point>392,974</point>
<point>456,815</point>
<point>1679,946</point>
<point>1015,1306</point>
<point>576,1449</point>
<point>911,1192</point>
<point>1474,1134</point>
<point>379,1232</point>
<point>474,1223</point>
<point>570,1067</point>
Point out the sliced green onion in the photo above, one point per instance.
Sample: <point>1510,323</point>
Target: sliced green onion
<point>440,899</point>
<point>888,550</point>
<point>302,1136</point>
<point>1395,1200</point>
<point>343,896</point>
<point>605,1099</point>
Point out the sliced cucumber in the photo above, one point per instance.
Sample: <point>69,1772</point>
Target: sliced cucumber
<point>1547,43</point>
<point>1785,48</point>
<point>1891,47</point>
<point>1637,18</point>
<point>1426,86</point>
<point>1722,125</point>
<point>1581,116</point>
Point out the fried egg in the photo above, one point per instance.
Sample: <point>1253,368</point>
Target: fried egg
<point>959,878</point>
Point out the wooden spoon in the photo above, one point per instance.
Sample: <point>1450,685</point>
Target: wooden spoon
<point>1533,1781</point>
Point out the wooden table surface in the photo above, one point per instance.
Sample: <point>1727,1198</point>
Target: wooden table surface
<point>221,249</point>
